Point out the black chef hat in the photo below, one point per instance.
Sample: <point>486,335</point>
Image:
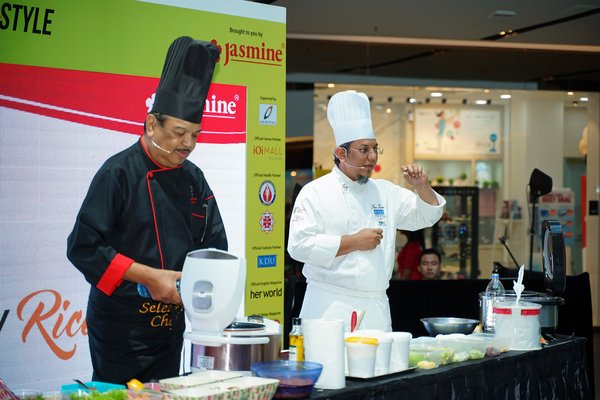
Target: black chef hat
<point>185,79</point>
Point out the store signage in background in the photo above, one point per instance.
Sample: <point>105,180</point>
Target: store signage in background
<point>457,131</point>
<point>69,101</point>
<point>559,205</point>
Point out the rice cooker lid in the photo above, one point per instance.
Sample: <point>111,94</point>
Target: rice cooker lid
<point>251,326</point>
<point>544,299</point>
<point>240,326</point>
<point>553,256</point>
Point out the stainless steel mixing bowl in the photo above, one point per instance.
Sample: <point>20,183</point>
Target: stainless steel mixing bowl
<point>447,325</point>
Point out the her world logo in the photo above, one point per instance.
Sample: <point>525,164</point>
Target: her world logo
<point>266,193</point>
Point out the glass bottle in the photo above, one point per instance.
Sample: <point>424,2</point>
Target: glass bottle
<point>494,293</point>
<point>296,341</point>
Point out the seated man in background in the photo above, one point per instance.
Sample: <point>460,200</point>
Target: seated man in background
<point>430,264</point>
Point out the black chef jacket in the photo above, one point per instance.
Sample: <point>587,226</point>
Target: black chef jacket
<point>136,210</point>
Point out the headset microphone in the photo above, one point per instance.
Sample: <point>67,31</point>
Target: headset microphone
<point>353,166</point>
<point>350,165</point>
<point>160,148</point>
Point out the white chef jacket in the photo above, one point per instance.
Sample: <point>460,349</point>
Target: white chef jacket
<point>332,206</point>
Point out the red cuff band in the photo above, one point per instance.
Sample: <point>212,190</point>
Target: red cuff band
<point>113,276</point>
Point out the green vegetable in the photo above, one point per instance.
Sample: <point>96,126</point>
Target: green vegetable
<point>447,356</point>
<point>475,354</point>
<point>96,395</point>
<point>414,357</point>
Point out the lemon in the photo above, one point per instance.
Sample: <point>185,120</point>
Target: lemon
<point>134,384</point>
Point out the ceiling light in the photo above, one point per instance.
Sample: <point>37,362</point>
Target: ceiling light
<point>388,110</point>
<point>435,94</point>
<point>502,13</point>
<point>486,90</point>
<point>584,99</point>
<point>570,93</point>
<point>331,85</point>
<point>480,102</point>
<point>575,103</point>
<point>505,96</point>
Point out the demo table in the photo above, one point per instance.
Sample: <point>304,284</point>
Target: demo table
<point>557,371</point>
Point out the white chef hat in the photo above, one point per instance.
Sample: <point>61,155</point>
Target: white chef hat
<point>349,114</point>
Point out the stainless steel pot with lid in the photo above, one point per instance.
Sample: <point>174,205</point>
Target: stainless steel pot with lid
<point>553,263</point>
<point>548,313</point>
<point>241,344</point>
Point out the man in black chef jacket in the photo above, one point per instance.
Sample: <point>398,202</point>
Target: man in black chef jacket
<point>146,208</point>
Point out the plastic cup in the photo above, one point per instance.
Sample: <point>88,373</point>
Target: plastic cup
<point>399,351</point>
<point>384,351</point>
<point>361,354</point>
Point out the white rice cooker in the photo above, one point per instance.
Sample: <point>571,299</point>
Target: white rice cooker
<point>212,289</point>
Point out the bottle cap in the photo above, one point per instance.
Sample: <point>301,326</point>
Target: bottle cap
<point>296,321</point>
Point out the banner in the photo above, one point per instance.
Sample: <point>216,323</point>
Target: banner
<point>558,205</point>
<point>460,131</point>
<point>76,81</point>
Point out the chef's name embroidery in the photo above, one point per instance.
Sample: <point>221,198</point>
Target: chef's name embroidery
<point>379,214</point>
<point>163,313</point>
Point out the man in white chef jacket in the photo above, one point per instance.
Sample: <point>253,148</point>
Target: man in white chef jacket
<point>343,225</point>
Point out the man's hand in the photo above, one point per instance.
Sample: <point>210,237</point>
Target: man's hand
<point>363,240</point>
<point>416,176</point>
<point>161,283</point>
<point>163,286</point>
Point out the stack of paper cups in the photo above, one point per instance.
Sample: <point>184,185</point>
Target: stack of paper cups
<point>324,343</point>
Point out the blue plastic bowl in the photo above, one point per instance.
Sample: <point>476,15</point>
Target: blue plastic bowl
<point>296,378</point>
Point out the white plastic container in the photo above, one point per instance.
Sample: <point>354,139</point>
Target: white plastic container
<point>361,353</point>
<point>518,324</point>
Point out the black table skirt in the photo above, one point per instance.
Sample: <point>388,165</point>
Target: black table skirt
<point>557,371</point>
<point>412,300</point>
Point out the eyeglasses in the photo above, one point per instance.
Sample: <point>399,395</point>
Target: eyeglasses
<point>367,150</point>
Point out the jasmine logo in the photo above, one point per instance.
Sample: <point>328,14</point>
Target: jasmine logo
<point>267,114</point>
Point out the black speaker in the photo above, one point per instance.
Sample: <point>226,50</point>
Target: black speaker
<point>539,184</point>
